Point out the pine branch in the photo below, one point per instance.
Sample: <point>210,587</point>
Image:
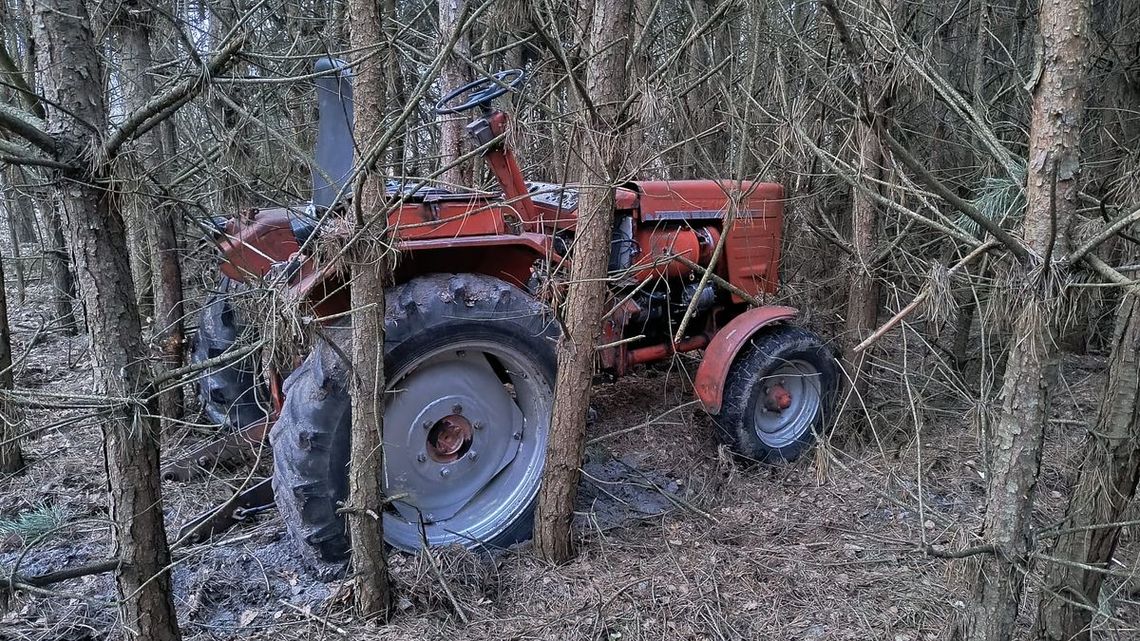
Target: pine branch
<point>15,154</point>
<point>165,104</point>
<point>27,127</point>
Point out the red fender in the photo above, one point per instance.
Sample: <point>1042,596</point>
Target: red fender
<point>726,344</point>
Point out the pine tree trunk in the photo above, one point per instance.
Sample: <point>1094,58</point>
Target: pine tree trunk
<point>1051,204</point>
<point>55,254</point>
<point>699,105</point>
<point>370,272</point>
<point>863,288</point>
<point>22,216</point>
<point>1106,485</point>
<point>159,220</point>
<point>454,74</point>
<point>862,311</point>
<point>139,242</point>
<point>11,457</point>
<point>14,207</point>
<point>72,79</point>
<point>603,158</point>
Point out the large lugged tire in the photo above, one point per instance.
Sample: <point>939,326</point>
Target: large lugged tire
<point>778,393</point>
<point>231,396</point>
<point>470,364</point>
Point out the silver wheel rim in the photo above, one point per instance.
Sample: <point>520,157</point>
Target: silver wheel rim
<point>780,420</point>
<point>464,444</point>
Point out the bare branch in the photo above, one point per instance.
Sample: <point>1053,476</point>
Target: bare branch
<point>27,127</point>
<point>163,105</point>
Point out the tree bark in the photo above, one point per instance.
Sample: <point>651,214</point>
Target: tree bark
<point>454,74</point>
<point>11,457</point>
<point>157,219</point>
<point>1051,205</point>
<point>370,272</point>
<point>700,104</point>
<point>870,75</point>
<point>863,288</point>
<point>604,156</point>
<point>69,57</point>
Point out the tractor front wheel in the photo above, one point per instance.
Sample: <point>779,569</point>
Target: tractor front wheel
<point>231,395</point>
<point>470,363</point>
<point>777,394</point>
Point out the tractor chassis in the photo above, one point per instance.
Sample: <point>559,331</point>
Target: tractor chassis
<point>235,447</point>
<point>256,498</point>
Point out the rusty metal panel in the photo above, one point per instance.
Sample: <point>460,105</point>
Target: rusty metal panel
<point>752,253</point>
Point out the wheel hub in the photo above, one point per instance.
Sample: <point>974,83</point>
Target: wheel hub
<point>778,398</point>
<point>449,438</point>
<point>448,434</point>
<point>789,402</point>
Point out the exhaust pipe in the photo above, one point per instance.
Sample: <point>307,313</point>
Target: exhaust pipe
<point>334,150</point>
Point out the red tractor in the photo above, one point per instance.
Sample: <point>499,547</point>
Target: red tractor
<point>470,343</point>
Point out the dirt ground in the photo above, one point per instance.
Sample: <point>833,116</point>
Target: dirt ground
<point>677,540</point>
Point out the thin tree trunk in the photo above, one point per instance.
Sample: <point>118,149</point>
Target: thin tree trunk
<point>454,74</point>
<point>139,242</point>
<point>1051,204</point>
<point>159,221</point>
<point>13,207</point>
<point>22,217</point>
<point>604,155</point>
<point>72,79</point>
<point>699,105</point>
<point>863,287</point>
<point>11,457</point>
<point>874,103</point>
<point>63,283</point>
<point>369,274</point>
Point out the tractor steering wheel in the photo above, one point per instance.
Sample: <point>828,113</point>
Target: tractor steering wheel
<point>482,91</point>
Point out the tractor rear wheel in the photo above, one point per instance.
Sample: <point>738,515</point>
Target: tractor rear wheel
<point>777,394</point>
<point>470,363</point>
<point>231,395</point>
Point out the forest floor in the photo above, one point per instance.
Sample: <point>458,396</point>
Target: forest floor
<point>678,540</point>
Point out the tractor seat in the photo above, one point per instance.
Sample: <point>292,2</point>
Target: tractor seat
<point>556,196</point>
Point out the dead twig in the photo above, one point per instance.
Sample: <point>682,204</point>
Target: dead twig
<point>918,300</point>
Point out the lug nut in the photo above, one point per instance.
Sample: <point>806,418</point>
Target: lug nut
<point>478,425</point>
<point>457,409</point>
<point>427,425</point>
<point>421,457</point>
<point>445,472</point>
<point>473,455</point>
<point>517,436</point>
